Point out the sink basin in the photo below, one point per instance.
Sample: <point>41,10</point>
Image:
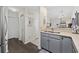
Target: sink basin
<point>53,32</point>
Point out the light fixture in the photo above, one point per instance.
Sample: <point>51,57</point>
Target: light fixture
<point>13,9</point>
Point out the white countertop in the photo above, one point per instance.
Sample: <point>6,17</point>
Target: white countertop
<point>68,32</point>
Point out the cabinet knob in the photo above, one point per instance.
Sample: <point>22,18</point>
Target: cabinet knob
<point>58,39</point>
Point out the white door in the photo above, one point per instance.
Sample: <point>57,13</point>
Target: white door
<point>0,26</point>
<point>0,30</point>
<point>3,30</point>
<point>13,24</point>
<point>22,28</point>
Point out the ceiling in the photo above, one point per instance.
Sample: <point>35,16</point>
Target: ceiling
<point>31,9</point>
<point>52,11</point>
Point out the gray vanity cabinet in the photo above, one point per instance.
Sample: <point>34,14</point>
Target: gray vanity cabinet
<point>67,46</point>
<point>44,42</point>
<point>54,45</point>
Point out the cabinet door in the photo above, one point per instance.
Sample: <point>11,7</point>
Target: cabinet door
<point>67,45</point>
<point>44,43</point>
<point>54,45</point>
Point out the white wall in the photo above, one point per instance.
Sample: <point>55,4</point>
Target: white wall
<point>43,17</point>
<point>13,25</point>
<point>13,21</point>
<point>32,31</point>
<point>36,33</point>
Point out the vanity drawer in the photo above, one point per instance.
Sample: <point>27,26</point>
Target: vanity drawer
<point>55,36</point>
<point>43,34</point>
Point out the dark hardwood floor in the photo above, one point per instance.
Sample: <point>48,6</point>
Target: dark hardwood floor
<point>17,46</point>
